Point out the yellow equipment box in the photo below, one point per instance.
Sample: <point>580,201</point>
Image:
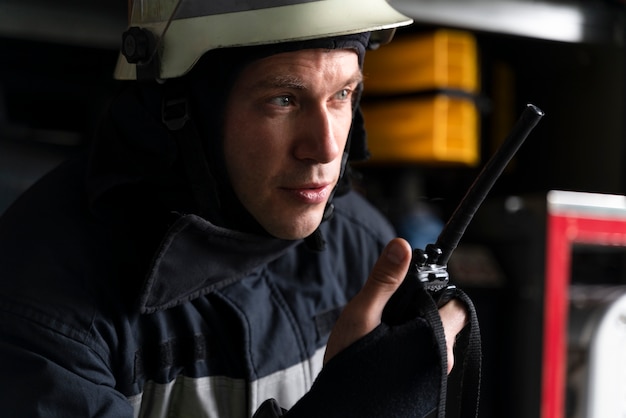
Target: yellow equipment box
<point>431,129</point>
<point>443,59</point>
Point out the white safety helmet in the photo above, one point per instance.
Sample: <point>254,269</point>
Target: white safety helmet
<point>167,37</point>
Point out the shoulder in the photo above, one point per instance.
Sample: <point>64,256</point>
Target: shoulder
<point>54,256</point>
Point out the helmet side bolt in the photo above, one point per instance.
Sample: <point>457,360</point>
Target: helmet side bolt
<point>137,45</point>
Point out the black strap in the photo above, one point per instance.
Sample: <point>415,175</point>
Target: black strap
<point>458,397</point>
<point>431,314</point>
<point>175,115</point>
<point>470,344</point>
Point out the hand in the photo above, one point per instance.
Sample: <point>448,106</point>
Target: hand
<point>363,313</point>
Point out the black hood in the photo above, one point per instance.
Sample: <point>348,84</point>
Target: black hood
<point>136,154</point>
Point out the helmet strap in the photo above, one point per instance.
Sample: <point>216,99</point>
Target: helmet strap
<point>175,115</point>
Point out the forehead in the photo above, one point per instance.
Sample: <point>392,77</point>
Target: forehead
<point>303,66</point>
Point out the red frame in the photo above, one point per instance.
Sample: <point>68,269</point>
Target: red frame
<point>565,227</point>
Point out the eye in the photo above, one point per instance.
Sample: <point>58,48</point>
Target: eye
<point>282,101</point>
<point>343,94</point>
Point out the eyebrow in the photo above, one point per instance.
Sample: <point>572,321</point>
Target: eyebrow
<point>294,82</point>
<point>283,81</point>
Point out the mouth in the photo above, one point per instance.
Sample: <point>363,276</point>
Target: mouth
<point>311,194</point>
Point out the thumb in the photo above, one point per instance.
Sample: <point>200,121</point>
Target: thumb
<point>386,276</point>
<point>363,313</point>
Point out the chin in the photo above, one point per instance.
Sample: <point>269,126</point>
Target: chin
<point>293,231</point>
<point>291,223</point>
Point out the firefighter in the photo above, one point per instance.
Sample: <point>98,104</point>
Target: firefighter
<point>207,257</point>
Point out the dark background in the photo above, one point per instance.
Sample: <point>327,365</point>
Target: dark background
<point>56,66</point>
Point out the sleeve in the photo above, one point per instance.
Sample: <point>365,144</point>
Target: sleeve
<point>45,371</point>
<point>393,371</point>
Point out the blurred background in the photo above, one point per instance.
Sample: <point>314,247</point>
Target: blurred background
<point>438,102</point>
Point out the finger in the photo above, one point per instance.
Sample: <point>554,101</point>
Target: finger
<point>454,318</point>
<point>363,313</point>
<point>386,276</point>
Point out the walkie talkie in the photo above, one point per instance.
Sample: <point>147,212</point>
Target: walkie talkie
<point>429,266</point>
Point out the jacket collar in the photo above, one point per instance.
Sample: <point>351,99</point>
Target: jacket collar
<point>197,257</point>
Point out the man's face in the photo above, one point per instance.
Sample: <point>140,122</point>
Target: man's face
<point>286,125</point>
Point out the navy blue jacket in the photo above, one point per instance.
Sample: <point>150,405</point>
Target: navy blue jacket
<point>110,310</point>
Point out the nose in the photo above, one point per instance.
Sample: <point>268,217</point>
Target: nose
<point>321,136</point>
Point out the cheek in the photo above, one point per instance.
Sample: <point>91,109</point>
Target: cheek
<point>237,142</point>
<point>237,158</point>
<point>248,151</point>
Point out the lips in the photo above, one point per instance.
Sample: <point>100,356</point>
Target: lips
<point>310,194</point>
